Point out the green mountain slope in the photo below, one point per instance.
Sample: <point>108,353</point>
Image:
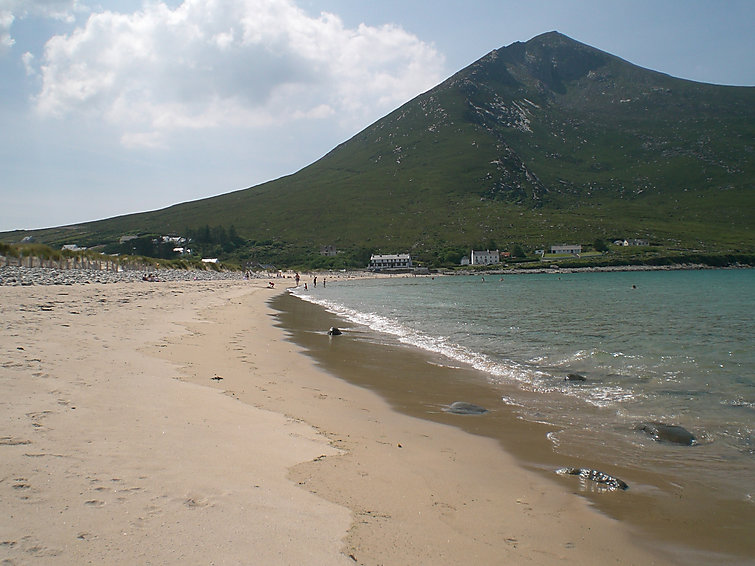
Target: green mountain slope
<point>536,143</point>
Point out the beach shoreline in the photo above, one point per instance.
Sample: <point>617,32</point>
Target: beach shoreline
<point>29,276</point>
<point>680,512</point>
<point>173,422</point>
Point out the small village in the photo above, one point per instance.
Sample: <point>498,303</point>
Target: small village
<point>182,252</point>
<point>403,261</point>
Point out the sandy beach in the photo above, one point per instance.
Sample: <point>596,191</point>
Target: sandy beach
<point>167,423</point>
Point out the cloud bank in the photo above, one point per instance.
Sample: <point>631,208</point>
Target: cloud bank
<point>160,71</point>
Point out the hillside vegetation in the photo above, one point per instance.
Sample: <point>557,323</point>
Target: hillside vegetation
<point>536,143</point>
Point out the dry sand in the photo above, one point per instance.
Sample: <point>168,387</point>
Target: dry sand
<point>117,446</point>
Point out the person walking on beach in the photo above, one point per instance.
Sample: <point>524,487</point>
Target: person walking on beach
<point>314,281</point>
<point>297,279</point>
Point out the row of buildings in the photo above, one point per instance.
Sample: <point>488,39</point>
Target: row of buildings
<point>492,257</point>
<point>379,262</point>
<point>485,257</point>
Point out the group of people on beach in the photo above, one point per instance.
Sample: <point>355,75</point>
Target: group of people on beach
<point>314,282</point>
<point>298,280</point>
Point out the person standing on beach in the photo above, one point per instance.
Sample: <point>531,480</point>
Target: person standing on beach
<point>297,279</point>
<point>314,281</point>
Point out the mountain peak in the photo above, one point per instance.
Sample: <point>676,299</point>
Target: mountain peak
<point>551,36</point>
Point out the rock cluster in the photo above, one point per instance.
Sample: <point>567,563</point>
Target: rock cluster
<point>47,276</point>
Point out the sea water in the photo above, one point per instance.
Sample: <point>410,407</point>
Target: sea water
<point>671,346</point>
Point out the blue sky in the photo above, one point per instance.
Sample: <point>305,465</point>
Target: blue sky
<point>110,108</point>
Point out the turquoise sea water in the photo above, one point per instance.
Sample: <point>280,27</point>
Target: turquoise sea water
<point>670,346</point>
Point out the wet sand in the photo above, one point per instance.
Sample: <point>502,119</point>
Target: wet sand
<point>173,423</point>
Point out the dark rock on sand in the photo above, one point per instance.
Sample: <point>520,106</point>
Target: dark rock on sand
<point>662,432</point>
<point>610,482</point>
<point>462,408</point>
<point>334,331</point>
<point>575,377</point>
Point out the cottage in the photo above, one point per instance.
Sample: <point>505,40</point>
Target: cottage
<point>574,249</point>
<point>390,261</point>
<point>485,258</point>
<point>329,251</point>
<point>177,240</point>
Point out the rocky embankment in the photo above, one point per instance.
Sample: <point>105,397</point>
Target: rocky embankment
<point>49,276</point>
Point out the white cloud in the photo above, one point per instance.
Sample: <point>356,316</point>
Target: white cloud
<point>229,63</point>
<point>28,60</point>
<point>6,21</point>
<point>12,10</point>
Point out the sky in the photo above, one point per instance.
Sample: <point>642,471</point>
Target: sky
<point>114,107</point>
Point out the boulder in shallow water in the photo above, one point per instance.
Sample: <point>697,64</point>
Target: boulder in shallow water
<point>611,483</point>
<point>462,408</point>
<point>575,377</point>
<point>662,432</point>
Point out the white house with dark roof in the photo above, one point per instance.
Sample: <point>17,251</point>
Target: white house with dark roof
<point>633,242</point>
<point>486,257</point>
<point>574,249</point>
<point>390,261</point>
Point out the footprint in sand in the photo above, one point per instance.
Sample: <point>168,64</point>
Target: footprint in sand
<point>12,441</point>
<point>196,502</point>
<point>21,483</point>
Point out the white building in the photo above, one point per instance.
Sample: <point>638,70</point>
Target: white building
<point>178,240</point>
<point>574,249</point>
<point>390,261</point>
<point>485,258</point>
<point>635,242</point>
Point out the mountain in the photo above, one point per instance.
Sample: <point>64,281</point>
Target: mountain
<point>535,143</point>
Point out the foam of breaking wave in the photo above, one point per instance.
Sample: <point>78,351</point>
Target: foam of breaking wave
<point>435,344</point>
<point>501,371</point>
<point>498,371</point>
